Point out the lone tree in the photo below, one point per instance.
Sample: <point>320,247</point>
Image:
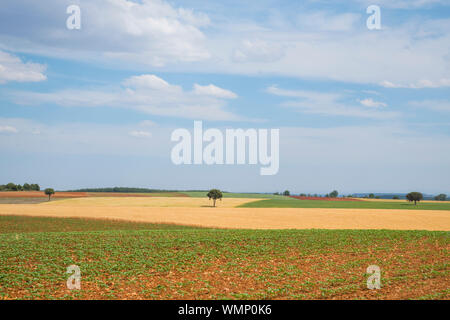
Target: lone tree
<point>414,196</point>
<point>214,194</point>
<point>49,192</point>
<point>286,193</point>
<point>334,194</point>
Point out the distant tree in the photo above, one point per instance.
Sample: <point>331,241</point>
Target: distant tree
<point>441,197</point>
<point>302,195</point>
<point>19,187</point>
<point>371,195</point>
<point>395,197</point>
<point>26,187</point>
<point>277,193</point>
<point>327,195</point>
<point>414,196</point>
<point>214,194</point>
<point>49,192</point>
<point>377,197</point>
<point>11,187</point>
<point>286,193</point>
<point>334,194</point>
<point>35,187</point>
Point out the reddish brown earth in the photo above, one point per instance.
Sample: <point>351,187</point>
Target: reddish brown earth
<point>327,199</point>
<point>64,194</point>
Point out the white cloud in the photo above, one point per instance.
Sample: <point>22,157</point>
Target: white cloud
<point>149,32</point>
<point>14,69</point>
<point>147,81</point>
<point>369,102</point>
<point>8,129</point>
<point>145,93</point>
<point>140,134</point>
<point>421,84</point>
<point>212,90</point>
<point>153,33</point>
<point>329,104</point>
<point>257,51</point>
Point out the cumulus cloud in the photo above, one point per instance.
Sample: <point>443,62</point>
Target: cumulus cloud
<point>149,32</point>
<point>325,103</point>
<point>212,90</point>
<point>145,93</point>
<point>13,68</point>
<point>369,102</point>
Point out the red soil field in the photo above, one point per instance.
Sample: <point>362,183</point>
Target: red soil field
<point>63,194</point>
<point>326,199</point>
<point>40,194</point>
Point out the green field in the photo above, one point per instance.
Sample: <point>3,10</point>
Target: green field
<point>123,260</point>
<point>296,203</point>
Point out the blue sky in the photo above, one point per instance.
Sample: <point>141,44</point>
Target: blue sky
<point>358,110</point>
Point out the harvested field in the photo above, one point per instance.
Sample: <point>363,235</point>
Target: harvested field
<point>147,202</point>
<point>249,218</point>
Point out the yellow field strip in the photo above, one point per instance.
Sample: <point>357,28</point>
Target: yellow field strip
<point>250,218</point>
<point>147,202</point>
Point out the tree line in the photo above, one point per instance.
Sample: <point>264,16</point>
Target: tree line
<point>17,187</point>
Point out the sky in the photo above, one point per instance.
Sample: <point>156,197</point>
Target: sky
<point>358,109</point>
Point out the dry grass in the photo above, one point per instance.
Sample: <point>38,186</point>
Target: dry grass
<point>247,218</point>
<point>159,202</point>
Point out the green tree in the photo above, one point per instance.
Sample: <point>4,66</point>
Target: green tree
<point>26,187</point>
<point>371,195</point>
<point>334,194</point>
<point>414,196</point>
<point>286,193</point>
<point>441,197</point>
<point>215,194</point>
<point>11,187</point>
<point>395,197</point>
<point>35,187</point>
<point>49,192</point>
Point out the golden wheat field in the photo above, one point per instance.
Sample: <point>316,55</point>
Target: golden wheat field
<point>198,212</point>
<point>162,202</point>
